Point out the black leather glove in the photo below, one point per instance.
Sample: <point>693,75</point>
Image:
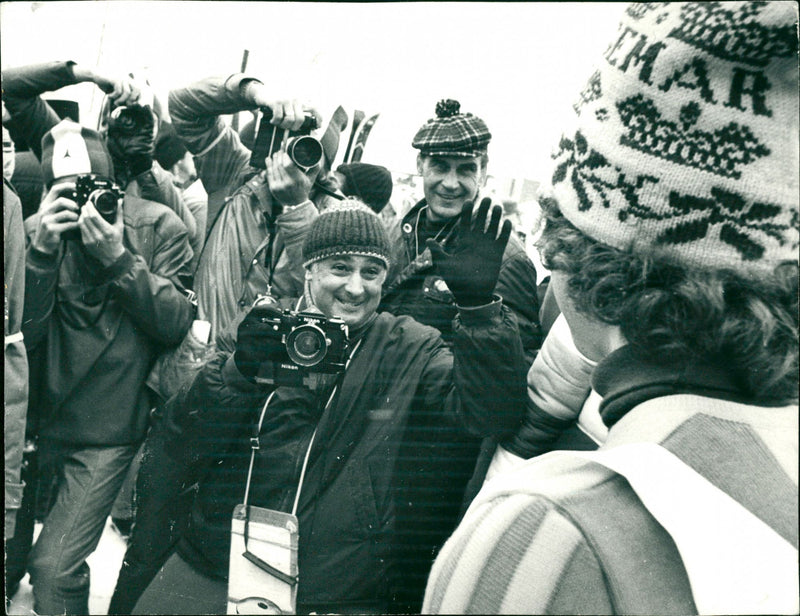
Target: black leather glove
<point>471,270</point>
<point>258,342</point>
<point>131,139</point>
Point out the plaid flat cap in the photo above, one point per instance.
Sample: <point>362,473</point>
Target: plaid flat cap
<point>452,133</point>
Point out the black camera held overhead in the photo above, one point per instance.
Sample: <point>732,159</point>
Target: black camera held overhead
<point>314,343</point>
<point>130,119</point>
<point>103,194</point>
<point>304,150</point>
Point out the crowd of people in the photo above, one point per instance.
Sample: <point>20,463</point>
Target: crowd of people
<point>291,399</point>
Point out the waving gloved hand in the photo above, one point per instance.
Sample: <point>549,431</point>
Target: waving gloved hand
<point>131,137</point>
<point>257,340</point>
<point>471,271</point>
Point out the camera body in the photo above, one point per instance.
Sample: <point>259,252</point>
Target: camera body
<point>304,150</point>
<point>130,119</point>
<point>314,344</point>
<point>103,194</point>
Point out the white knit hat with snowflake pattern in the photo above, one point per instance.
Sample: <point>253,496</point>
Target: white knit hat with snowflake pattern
<point>685,143</point>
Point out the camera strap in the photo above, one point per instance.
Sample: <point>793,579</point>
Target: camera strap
<point>255,444</point>
<point>272,573</point>
<point>327,191</point>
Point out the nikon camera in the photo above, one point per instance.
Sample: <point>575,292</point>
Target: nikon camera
<point>313,343</point>
<point>103,194</point>
<point>304,150</point>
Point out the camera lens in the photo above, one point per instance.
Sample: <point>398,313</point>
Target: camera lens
<point>306,345</point>
<point>305,151</point>
<point>123,120</point>
<point>105,202</point>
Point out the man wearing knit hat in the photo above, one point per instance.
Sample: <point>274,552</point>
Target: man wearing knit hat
<point>101,300</point>
<point>672,237</point>
<point>369,429</point>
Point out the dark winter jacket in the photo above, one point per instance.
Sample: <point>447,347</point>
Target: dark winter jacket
<point>252,246</point>
<point>98,330</point>
<point>414,287</point>
<point>32,117</point>
<point>15,357</point>
<point>376,499</point>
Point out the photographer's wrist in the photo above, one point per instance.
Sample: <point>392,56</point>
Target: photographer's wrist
<point>245,366</point>
<point>112,257</point>
<point>43,254</point>
<point>250,90</point>
<point>293,208</point>
<point>80,73</point>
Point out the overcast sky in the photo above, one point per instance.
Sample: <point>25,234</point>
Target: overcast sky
<point>518,65</point>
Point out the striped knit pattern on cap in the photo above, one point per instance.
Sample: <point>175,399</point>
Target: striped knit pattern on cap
<point>346,228</point>
<point>685,143</point>
<point>69,149</point>
<point>452,133</point>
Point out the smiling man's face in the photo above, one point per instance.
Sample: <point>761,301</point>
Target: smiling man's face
<point>347,287</point>
<point>448,182</point>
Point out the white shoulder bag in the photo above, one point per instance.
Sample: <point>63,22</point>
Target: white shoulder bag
<point>263,572</point>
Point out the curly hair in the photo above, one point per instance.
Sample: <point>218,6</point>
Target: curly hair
<point>672,313</point>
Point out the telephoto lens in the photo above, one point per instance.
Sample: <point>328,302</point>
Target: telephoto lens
<point>305,151</point>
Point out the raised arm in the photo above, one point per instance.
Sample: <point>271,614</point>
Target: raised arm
<point>488,363</point>
<point>219,154</point>
<point>31,116</point>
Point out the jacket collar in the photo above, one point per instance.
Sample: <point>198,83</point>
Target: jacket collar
<point>624,380</point>
<point>411,216</point>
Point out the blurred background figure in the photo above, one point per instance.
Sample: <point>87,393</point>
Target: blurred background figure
<point>15,357</point>
<point>172,155</point>
<point>370,183</point>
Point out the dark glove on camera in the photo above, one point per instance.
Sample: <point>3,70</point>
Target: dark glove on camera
<point>131,139</point>
<point>471,271</point>
<point>258,342</point>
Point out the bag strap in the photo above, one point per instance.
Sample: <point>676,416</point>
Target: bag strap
<point>736,563</point>
<point>255,445</point>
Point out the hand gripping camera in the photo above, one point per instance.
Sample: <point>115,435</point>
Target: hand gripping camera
<point>103,194</point>
<point>314,343</point>
<point>304,150</point>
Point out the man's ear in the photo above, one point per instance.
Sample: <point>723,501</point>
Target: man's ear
<point>420,163</point>
<point>483,174</point>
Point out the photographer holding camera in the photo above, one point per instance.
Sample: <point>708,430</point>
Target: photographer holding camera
<point>259,205</point>
<point>128,126</point>
<point>368,414</point>
<point>101,301</point>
